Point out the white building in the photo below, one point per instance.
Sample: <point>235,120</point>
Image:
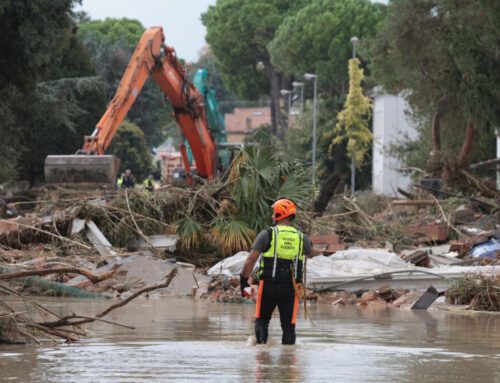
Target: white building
<point>390,125</point>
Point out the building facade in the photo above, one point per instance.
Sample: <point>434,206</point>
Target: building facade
<point>390,125</point>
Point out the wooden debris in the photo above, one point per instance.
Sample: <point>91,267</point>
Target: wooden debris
<point>421,202</point>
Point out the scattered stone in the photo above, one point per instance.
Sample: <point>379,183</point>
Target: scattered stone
<point>464,215</point>
<point>407,299</point>
<point>234,282</point>
<point>384,290</point>
<point>369,296</point>
<point>166,243</point>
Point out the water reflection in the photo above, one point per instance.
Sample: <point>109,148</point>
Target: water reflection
<point>184,340</point>
<point>282,367</point>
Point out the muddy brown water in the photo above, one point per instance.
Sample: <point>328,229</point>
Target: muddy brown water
<point>196,341</point>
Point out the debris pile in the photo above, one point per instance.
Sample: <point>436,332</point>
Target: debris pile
<point>19,328</point>
<point>70,244</point>
<point>480,292</point>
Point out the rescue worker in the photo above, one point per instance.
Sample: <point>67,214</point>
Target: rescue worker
<point>282,248</point>
<point>128,180</point>
<point>119,181</point>
<point>148,185</point>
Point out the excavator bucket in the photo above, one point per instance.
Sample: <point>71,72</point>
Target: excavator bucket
<point>81,171</point>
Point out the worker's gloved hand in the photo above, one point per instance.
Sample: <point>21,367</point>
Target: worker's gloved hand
<point>243,285</point>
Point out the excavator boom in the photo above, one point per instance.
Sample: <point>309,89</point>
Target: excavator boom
<point>151,58</point>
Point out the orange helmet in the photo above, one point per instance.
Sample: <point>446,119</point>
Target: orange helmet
<point>283,208</point>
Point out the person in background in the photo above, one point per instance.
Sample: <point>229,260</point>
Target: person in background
<point>283,248</point>
<point>148,185</point>
<point>119,181</point>
<point>128,180</point>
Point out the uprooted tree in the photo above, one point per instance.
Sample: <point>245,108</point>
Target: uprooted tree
<point>445,54</point>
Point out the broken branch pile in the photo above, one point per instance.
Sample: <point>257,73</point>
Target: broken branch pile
<point>17,327</point>
<point>480,292</point>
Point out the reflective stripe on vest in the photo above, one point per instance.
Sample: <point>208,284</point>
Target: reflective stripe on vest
<point>286,244</point>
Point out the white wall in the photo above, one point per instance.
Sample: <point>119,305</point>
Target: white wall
<point>390,124</point>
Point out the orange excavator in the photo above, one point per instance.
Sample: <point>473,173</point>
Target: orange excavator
<point>91,167</point>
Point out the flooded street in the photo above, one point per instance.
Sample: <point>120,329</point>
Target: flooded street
<point>185,340</point>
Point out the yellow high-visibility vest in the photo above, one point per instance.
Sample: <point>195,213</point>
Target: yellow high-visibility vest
<point>284,254</point>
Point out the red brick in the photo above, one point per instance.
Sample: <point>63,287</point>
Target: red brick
<point>429,233</point>
<point>316,240</point>
<point>213,296</point>
<point>325,239</point>
<point>369,296</point>
<point>384,289</point>
<point>333,238</point>
<point>334,247</point>
<point>6,227</point>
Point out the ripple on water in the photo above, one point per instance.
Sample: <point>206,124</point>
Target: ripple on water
<point>185,340</point>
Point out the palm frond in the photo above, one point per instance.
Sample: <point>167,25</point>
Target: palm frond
<point>232,235</point>
<point>190,232</point>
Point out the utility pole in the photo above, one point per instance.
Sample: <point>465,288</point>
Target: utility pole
<point>285,92</point>
<point>310,76</point>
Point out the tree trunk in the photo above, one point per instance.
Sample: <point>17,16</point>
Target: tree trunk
<point>436,125</point>
<point>277,82</point>
<point>436,131</point>
<point>466,152</point>
<point>326,193</point>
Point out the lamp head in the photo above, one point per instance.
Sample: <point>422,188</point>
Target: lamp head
<point>354,40</point>
<point>297,84</point>
<point>310,76</point>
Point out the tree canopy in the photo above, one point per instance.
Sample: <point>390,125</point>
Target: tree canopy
<point>316,39</point>
<point>352,121</point>
<point>239,32</point>
<point>38,47</point>
<point>225,98</point>
<point>112,31</point>
<point>130,146</point>
<point>445,53</point>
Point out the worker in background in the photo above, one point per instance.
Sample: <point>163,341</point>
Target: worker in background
<point>283,248</point>
<point>128,179</point>
<point>148,185</point>
<point>119,181</point>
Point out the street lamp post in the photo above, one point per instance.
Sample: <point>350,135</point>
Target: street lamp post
<point>285,92</point>
<point>354,40</point>
<point>300,85</point>
<point>310,76</point>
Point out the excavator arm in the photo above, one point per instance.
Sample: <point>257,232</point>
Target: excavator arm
<point>151,58</point>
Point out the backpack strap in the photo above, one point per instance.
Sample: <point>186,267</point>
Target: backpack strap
<point>275,250</point>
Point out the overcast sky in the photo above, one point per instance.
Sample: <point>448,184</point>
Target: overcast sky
<point>180,19</point>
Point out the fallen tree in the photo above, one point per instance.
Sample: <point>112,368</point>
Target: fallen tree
<point>16,327</point>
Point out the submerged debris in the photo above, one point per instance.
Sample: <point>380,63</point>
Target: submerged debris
<point>481,292</point>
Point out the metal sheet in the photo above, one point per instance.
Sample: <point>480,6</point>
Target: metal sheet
<point>426,300</point>
<point>410,281</point>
